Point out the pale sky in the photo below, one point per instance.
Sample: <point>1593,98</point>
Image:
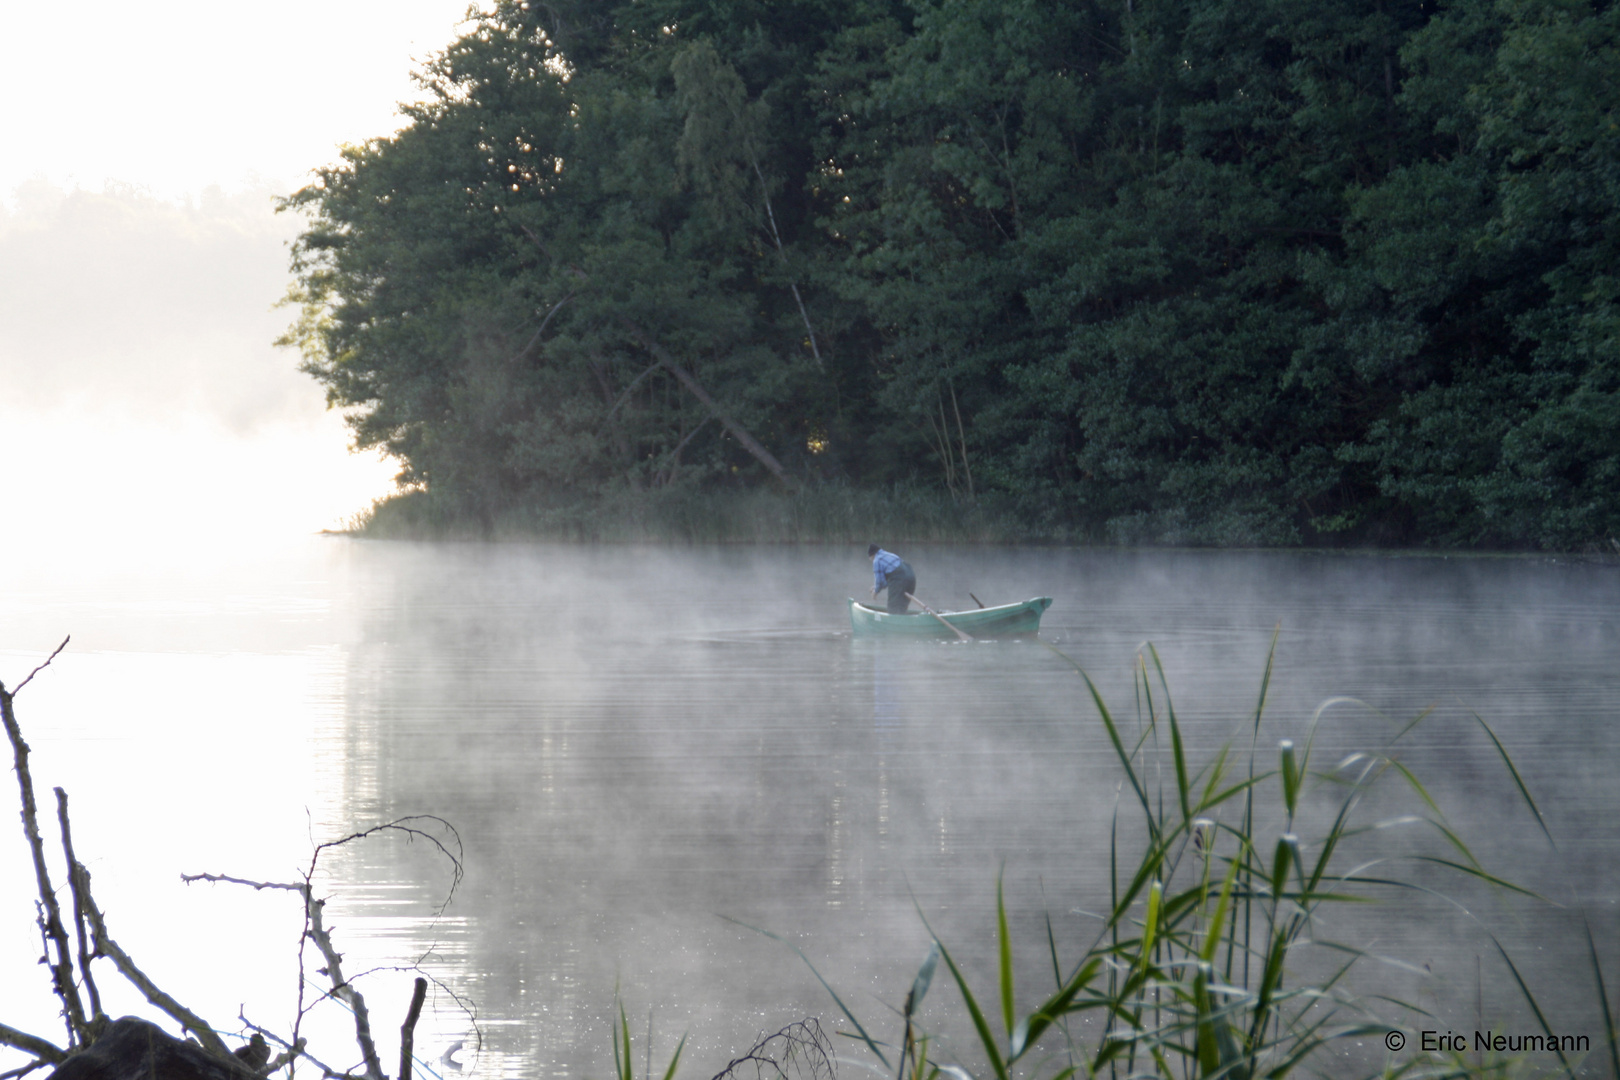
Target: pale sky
<point>175,95</point>
<point>141,147</point>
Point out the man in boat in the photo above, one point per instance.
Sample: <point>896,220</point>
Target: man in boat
<point>890,571</point>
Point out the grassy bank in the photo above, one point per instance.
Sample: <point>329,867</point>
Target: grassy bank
<point>826,514</point>
<point>823,514</point>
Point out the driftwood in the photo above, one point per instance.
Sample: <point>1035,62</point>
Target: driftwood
<point>98,1048</point>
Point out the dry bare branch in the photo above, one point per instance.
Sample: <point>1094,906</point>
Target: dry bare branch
<point>24,1070</point>
<point>298,887</point>
<point>315,931</point>
<point>79,885</point>
<point>800,1051</point>
<point>411,831</point>
<point>407,1030</point>
<point>42,1049</point>
<point>289,1051</point>
<point>43,666</point>
<point>344,990</point>
<point>61,967</point>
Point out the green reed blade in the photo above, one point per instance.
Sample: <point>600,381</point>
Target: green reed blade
<point>1113,872</point>
<point>1407,1005</point>
<point>1334,834</point>
<point>1304,898</point>
<point>669,1073</point>
<point>924,979</point>
<point>1217,770</point>
<point>1005,957</point>
<point>1270,979</point>
<point>1307,1044</point>
<point>1051,944</point>
<point>1179,907</point>
<point>1056,1005</point>
<point>1483,876</point>
<point>1422,715</point>
<point>1603,998</point>
<point>1119,751</point>
<point>920,1057</point>
<point>1534,1006</point>
<point>626,1070</point>
<point>1212,940</point>
<point>1152,863</point>
<point>1416,785</point>
<point>1265,679</point>
<point>1150,926</point>
<point>979,1023</point>
<point>1108,1050</point>
<point>1240,787</point>
<point>1209,1055</point>
<point>1176,748</point>
<point>1455,841</point>
<point>863,1036</point>
<point>1518,780</point>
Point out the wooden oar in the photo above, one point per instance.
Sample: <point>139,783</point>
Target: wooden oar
<point>937,615</point>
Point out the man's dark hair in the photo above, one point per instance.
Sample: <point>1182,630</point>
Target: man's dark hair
<point>872,549</point>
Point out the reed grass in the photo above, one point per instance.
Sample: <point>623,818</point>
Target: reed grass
<point>1192,973</point>
<point>825,513</point>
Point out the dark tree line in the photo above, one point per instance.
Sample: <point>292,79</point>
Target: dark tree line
<point>1202,271</point>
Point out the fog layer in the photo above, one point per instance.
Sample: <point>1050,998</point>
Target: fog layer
<point>140,388</point>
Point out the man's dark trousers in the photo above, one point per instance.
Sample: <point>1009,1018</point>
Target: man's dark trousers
<point>900,580</point>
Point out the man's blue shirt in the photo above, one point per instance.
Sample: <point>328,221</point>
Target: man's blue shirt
<point>884,563</point>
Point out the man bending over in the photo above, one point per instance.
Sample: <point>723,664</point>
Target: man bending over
<point>890,571</point>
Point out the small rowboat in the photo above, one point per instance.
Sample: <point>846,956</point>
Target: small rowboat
<point>1005,620</point>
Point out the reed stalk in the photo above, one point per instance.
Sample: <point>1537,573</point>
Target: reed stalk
<point>1194,972</point>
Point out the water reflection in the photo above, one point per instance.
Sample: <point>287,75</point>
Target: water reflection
<point>632,764</point>
<point>634,743</point>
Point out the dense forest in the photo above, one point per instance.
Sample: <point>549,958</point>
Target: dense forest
<point>1183,271</point>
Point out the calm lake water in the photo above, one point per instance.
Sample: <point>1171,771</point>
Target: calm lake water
<point>636,745</point>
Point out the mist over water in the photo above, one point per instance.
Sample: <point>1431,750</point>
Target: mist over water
<point>140,392</point>
<point>634,742</point>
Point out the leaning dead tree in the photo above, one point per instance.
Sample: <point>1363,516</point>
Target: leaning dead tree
<point>96,1047</point>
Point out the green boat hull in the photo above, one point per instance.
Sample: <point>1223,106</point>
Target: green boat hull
<point>1007,620</point>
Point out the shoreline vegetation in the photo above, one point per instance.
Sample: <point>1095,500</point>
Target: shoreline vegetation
<point>1211,958</point>
<point>821,514</point>
<point>826,514</point>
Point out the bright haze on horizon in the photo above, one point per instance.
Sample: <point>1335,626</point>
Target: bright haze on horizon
<point>140,258</point>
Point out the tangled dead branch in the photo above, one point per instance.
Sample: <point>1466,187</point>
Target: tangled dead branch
<point>92,1036</point>
<point>800,1051</point>
<point>316,933</point>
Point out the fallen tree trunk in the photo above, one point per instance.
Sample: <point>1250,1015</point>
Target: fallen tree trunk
<point>688,380</point>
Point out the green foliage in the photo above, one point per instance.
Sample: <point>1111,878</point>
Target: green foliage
<point>1211,271</point>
